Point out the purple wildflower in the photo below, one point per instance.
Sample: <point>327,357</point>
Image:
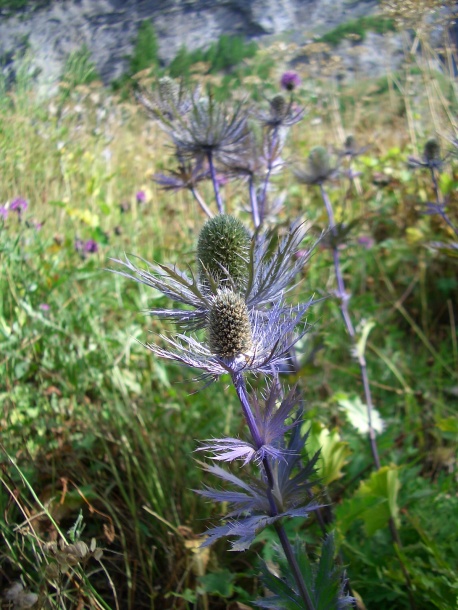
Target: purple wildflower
<point>290,81</point>
<point>366,241</point>
<point>44,307</point>
<point>91,246</point>
<point>19,205</point>
<point>140,197</point>
<point>86,247</point>
<point>3,212</point>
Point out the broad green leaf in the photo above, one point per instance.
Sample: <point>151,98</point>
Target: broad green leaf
<point>333,451</point>
<point>374,502</point>
<point>356,413</point>
<point>218,583</point>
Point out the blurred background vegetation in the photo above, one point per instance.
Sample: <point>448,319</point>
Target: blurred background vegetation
<point>97,435</point>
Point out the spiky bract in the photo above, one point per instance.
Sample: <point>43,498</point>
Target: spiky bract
<point>212,129</point>
<point>223,252</point>
<point>318,168</point>
<point>229,329</point>
<point>281,113</point>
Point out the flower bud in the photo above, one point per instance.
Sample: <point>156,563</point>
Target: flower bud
<point>229,328</point>
<point>222,252</point>
<point>432,151</point>
<point>319,163</point>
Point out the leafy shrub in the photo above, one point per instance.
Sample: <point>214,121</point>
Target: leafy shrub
<point>358,27</point>
<point>224,54</point>
<point>145,49</point>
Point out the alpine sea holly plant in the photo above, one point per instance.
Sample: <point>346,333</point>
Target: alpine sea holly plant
<point>233,319</point>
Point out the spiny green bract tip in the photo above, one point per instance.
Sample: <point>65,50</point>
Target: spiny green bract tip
<point>223,252</point>
<point>229,328</point>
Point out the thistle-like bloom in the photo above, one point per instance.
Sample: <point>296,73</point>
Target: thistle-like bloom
<point>172,99</point>
<point>268,274</point>
<point>290,80</point>
<point>212,129</point>
<point>238,340</point>
<point>431,158</point>
<point>223,251</point>
<point>318,168</point>
<point>351,148</point>
<point>282,113</point>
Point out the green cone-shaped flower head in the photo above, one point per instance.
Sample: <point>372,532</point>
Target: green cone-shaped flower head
<point>278,106</point>
<point>319,163</point>
<point>229,328</point>
<point>223,252</point>
<point>432,151</point>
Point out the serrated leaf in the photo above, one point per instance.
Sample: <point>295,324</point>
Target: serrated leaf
<point>374,502</point>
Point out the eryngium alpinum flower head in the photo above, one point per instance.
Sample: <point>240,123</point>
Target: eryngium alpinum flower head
<point>431,156</point>
<point>223,252</point>
<point>282,113</point>
<point>270,273</point>
<point>432,151</point>
<point>229,328</point>
<point>318,168</point>
<point>170,100</point>
<point>211,128</point>
<point>273,333</point>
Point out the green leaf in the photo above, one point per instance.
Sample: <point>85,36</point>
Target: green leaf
<point>374,502</point>
<point>356,413</point>
<point>218,583</point>
<point>333,451</point>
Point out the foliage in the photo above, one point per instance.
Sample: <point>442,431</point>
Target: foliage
<point>358,28</point>
<point>225,53</point>
<point>79,68</point>
<point>145,50</point>
<point>93,424</point>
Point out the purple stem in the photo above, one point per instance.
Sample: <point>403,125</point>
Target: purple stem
<point>201,203</point>
<point>240,387</point>
<point>344,299</point>
<point>272,143</point>
<point>439,202</point>
<point>254,203</point>
<point>219,201</point>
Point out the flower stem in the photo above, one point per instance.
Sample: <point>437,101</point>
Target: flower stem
<point>211,165</point>
<point>240,387</point>
<point>344,300</point>
<point>202,203</point>
<point>254,203</point>
<point>439,202</point>
<point>271,148</point>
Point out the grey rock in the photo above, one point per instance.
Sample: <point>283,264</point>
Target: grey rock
<point>109,28</point>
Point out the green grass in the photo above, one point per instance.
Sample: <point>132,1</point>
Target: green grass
<point>93,425</point>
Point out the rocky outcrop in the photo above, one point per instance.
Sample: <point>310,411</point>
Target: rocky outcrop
<point>109,27</point>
